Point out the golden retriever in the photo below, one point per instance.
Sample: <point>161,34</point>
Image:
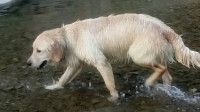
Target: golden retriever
<point>145,40</point>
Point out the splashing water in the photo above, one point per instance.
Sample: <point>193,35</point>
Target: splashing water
<point>176,93</point>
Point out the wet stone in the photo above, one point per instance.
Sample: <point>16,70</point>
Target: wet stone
<point>26,73</point>
<point>9,88</point>
<point>125,95</point>
<point>15,60</point>
<point>3,68</point>
<point>24,67</point>
<point>95,101</point>
<point>90,73</point>
<point>19,87</point>
<point>136,73</point>
<point>83,84</point>
<point>193,90</point>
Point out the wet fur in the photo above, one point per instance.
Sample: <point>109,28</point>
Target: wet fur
<point>145,40</point>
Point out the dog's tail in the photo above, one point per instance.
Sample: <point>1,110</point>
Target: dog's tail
<point>182,53</point>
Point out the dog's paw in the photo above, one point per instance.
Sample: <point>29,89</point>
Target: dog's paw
<point>148,83</point>
<point>53,87</point>
<point>113,98</point>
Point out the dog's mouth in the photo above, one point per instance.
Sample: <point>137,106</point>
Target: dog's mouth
<point>42,64</point>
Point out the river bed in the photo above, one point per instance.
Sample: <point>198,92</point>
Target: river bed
<point>22,88</point>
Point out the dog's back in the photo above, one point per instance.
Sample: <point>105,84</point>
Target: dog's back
<point>138,36</point>
<point>120,36</point>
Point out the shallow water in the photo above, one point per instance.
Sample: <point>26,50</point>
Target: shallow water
<point>178,94</point>
<point>22,88</point>
<point>5,1</point>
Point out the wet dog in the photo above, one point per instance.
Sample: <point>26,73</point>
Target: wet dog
<point>145,40</point>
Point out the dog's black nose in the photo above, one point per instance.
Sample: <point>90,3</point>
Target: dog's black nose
<point>28,63</point>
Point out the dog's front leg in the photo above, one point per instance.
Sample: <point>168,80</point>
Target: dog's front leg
<point>105,70</point>
<point>70,73</point>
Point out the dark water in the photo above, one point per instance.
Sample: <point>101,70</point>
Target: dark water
<point>21,88</point>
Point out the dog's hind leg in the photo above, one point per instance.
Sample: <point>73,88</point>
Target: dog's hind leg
<point>159,70</point>
<point>106,72</point>
<point>167,78</point>
<point>147,55</point>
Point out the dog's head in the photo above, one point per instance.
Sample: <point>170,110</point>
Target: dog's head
<point>47,47</point>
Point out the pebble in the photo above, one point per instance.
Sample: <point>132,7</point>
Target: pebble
<point>24,67</point>
<point>90,73</point>
<point>143,102</point>
<point>135,73</point>
<point>123,94</point>
<point>95,101</point>
<point>3,68</point>
<point>9,88</point>
<point>84,84</point>
<point>90,85</point>
<point>26,37</point>
<point>19,87</point>
<point>194,90</point>
<point>15,60</point>
<point>26,73</point>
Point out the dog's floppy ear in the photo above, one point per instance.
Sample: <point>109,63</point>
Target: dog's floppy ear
<point>57,51</point>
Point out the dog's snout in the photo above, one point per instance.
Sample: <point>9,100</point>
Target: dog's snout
<point>28,63</point>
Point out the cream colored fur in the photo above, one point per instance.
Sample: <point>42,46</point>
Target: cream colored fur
<point>144,39</point>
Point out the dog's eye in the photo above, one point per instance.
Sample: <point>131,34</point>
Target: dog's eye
<point>38,51</point>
